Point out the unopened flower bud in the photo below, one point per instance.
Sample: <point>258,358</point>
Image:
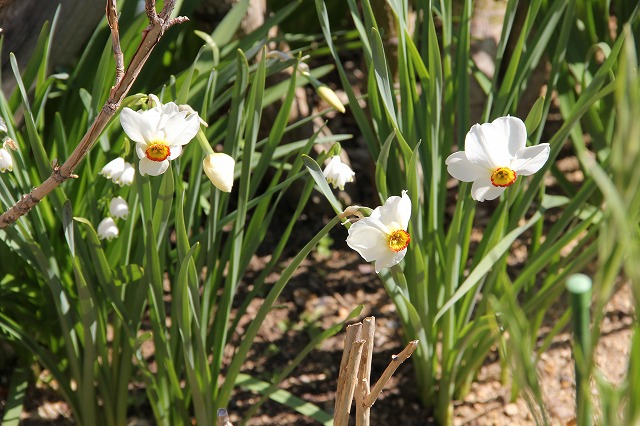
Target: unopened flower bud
<point>330,97</point>
<point>219,169</point>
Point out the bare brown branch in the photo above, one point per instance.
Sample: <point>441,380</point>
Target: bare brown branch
<point>396,360</point>
<point>112,19</point>
<point>150,9</point>
<point>124,81</point>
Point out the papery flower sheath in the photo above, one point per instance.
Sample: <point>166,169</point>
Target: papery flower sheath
<point>219,169</point>
<point>107,229</point>
<point>494,155</point>
<point>383,237</point>
<point>119,208</point>
<point>159,134</point>
<point>337,173</point>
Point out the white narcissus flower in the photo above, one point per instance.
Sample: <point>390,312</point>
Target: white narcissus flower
<point>107,229</point>
<point>159,133</point>
<point>6,162</point>
<point>337,173</point>
<point>119,208</point>
<point>219,169</point>
<point>494,155</point>
<point>383,237</point>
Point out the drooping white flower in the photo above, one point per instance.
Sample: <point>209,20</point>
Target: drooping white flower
<point>337,173</point>
<point>495,155</point>
<point>383,237</point>
<point>127,175</point>
<point>119,171</point>
<point>159,133</point>
<point>3,125</point>
<point>113,168</point>
<point>119,208</point>
<point>6,162</point>
<point>107,229</point>
<point>219,169</point>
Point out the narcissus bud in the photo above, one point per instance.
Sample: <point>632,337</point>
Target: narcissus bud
<point>219,169</point>
<point>330,97</point>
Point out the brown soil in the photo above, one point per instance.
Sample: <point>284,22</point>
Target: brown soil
<point>322,293</point>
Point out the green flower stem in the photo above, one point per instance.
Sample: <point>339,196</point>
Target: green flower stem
<point>579,286</point>
<point>204,143</point>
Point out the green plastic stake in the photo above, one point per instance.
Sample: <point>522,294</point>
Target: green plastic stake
<point>579,286</point>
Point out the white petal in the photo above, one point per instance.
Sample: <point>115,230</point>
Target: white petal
<point>118,207</point>
<point>531,159</point>
<point>389,259</point>
<point>482,189</point>
<point>219,169</point>
<point>368,238</point>
<point>479,148</point>
<point>170,108</point>
<point>462,169</point>
<point>136,125</point>
<point>395,213</point>
<point>174,152</point>
<point>514,131</point>
<point>153,168</point>
<point>180,130</point>
<point>141,149</point>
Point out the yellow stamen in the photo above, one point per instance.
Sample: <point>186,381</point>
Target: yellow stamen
<point>157,151</point>
<point>503,177</point>
<point>399,240</point>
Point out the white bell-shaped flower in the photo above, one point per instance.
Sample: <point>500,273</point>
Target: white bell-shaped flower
<point>107,229</point>
<point>338,173</point>
<point>6,162</point>
<point>119,208</point>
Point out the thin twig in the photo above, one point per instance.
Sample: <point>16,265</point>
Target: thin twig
<point>396,360</point>
<point>150,38</point>
<point>112,19</point>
